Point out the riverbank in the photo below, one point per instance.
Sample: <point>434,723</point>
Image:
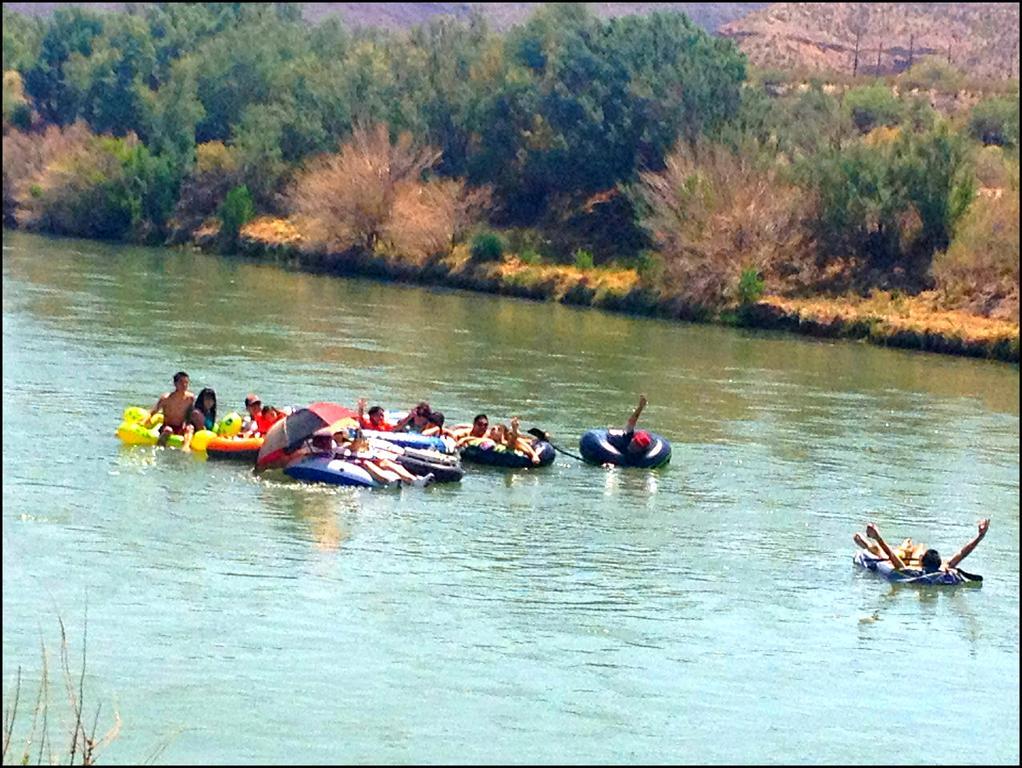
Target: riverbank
<point>884,318</point>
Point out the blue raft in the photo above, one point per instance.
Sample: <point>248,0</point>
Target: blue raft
<point>323,469</point>
<point>596,449</point>
<point>411,440</point>
<point>499,456</point>
<point>883,567</point>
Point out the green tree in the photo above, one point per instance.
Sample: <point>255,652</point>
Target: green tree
<point>871,106</point>
<point>22,40</point>
<point>174,111</point>
<point>995,121</point>
<point>112,82</point>
<point>71,31</point>
<point>236,211</point>
<point>936,178</point>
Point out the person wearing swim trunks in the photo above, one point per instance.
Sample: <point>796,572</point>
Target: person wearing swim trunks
<point>177,410</point>
<point>930,561</point>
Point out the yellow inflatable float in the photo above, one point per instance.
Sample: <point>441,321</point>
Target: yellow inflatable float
<point>138,428</point>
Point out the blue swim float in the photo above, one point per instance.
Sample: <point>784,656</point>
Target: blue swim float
<point>883,567</point>
<point>323,469</point>
<point>596,449</point>
<point>487,452</point>
<point>411,440</point>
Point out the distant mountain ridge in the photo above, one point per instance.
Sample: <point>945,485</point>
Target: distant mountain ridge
<point>981,39</point>
<point>501,16</point>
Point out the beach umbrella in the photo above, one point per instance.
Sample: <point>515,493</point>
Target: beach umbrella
<point>287,434</point>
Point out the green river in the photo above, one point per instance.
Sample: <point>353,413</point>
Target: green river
<point>707,612</point>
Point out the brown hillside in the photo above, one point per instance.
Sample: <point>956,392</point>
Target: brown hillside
<point>501,16</point>
<point>981,38</point>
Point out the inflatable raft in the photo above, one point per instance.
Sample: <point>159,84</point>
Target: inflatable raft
<point>234,448</point>
<point>883,567</point>
<point>597,449</point>
<point>445,468</point>
<point>323,469</point>
<point>411,440</point>
<point>484,451</point>
<point>138,428</point>
<point>136,433</point>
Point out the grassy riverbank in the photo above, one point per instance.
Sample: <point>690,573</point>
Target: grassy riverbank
<point>886,318</point>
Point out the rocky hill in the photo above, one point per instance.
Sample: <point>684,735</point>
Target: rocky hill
<point>710,16</point>
<point>982,39</point>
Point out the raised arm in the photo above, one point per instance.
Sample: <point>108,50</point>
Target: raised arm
<point>965,551</point>
<point>512,436</point>
<point>630,426</point>
<point>159,404</point>
<point>873,533</point>
<point>404,421</point>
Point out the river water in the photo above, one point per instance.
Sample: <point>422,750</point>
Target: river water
<point>708,612</point>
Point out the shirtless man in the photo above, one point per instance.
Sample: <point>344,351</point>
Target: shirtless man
<point>931,560</point>
<point>480,427</point>
<point>177,408</point>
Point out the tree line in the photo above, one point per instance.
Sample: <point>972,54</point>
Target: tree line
<point>640,140</point>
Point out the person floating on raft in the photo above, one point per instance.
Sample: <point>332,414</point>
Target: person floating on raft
<point>376,418</point>
<point>177,407</point>
<point>931,567</point>
<point>417,419</point>
<point>485,437</point>
<point>260,417</point>
<point>204,413</point>
<point>478,429</point>
<point>436,426</point>
<point>380,465</point>
<point>629,447</point>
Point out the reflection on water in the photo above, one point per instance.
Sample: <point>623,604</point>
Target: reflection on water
<point>690,614</point>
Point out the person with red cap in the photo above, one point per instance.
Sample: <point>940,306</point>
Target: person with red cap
<point>632,441</point>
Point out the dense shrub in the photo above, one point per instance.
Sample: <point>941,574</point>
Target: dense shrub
<point>217,170</point>
<point>932,73</point>
<point>713,213</point>
<point>891,205</point>
<point>237,210</point>
<point>583,259</point>
<point>487,246</point>
<point>26,156</point>
<point>17,110</point>
<point>872,106</point>
<point>995,121</point>
<point>374,194</point>
<point>750,287</point>
<point>980,270</point>
<point>98,186</point>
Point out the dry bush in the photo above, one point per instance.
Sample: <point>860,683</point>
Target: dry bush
<point>346,200</point>
<point>217,170</point>
<point>714,213</point>
<point>371,195</point>
<point>979,272</point>
<point>27,155</point>
<point>421,220</point>
<point>83,744</point>
<point>992,168</point>
<point>69,190</point>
